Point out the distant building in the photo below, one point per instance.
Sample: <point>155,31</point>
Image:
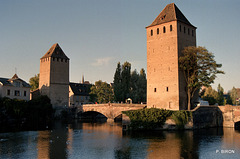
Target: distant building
<point>79,93</point>
<point>54,76</point>
<point>14,87</point>
<point>168,34</point>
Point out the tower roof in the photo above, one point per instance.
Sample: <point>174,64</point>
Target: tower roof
<point>170,13</point>
<point>55,51</point>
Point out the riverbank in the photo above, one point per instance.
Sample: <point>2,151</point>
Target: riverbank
<point>198,118</point>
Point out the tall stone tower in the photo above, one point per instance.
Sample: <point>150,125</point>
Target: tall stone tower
<point>168,34</point>
<point>54,76</point>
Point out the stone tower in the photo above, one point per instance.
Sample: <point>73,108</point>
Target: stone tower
<point>54,76</point>
<point>168,34</point>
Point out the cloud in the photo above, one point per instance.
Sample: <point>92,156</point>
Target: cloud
<point>102,61</point>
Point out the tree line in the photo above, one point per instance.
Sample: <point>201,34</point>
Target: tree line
<point>126,84</point>
<point>18,113</point>
<point>217,96</point>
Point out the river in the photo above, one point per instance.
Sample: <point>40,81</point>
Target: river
<point>107,141</point>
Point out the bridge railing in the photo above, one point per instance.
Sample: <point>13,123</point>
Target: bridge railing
<point>114,105</point>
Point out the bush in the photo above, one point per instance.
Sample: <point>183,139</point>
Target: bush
<point>147,119</point>
<point>181,117</point>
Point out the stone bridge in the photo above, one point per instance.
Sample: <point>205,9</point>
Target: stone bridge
<point>110,110</point>
<point>231,115</point>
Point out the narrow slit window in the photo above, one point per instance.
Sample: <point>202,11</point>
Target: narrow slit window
<point>188,31</point>
<point>164,29</point>
<point>180,28</point>
<point>157,30</point>
<point>192,32</point>
<point>184,30</point>
<point>155,89</point>
<point>167,89</point>
<point>170,27</point>
<point>151,32</point>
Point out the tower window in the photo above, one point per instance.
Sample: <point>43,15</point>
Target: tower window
<point>188,31</point>
<point>151,32</point>
<point>192,32</point>
<point>167,89</point>
<point>155,89</point>
<point>180,28</point>
<point>184,30</point>
<point>164,29</point>
<point>170,27</point>
<point>157,30</point>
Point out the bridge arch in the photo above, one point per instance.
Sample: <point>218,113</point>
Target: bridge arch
<point>93,115</point>
<point>237,125</point>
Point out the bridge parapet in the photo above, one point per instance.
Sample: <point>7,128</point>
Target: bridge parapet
<point>231,115</point>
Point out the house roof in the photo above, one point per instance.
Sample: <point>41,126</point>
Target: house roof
<point>8,82</point>
<point>168,14</point>
<point>55,51</point>
<point>80,88</point>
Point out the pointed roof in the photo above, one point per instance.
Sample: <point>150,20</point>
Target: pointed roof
<point>55,51</point>
<point>8,82</point>
<point>15,76</point>
<point>170,13</point>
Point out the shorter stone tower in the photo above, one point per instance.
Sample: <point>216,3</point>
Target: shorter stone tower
<point>54,76</point>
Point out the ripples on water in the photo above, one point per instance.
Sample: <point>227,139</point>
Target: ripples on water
<point>104,140</point>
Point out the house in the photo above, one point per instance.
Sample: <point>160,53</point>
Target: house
<point>79,93</point>
<point>14,87</point>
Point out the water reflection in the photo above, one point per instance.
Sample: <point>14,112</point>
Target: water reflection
<point>104,140</point>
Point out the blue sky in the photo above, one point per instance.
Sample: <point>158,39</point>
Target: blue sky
<point>96,34</point>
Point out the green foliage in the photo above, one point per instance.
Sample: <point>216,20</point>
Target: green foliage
<point>118,95</point>
<point>102,92</point>
<point>233,95</point>
<point>181,118</point>
<point>129,84</point>
<point>220,97</point>
<point>199,69</point>
<point>34,82</point>
<point>126,77</point>
<point>38,110</point>
<point>148,119</point>
<point>210,95</point>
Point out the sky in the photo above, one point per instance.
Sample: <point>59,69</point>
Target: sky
<point>96,34</point>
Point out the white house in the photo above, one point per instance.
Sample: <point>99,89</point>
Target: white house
<point>14,87</point>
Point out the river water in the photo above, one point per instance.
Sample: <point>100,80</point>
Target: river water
<point>107,141</point>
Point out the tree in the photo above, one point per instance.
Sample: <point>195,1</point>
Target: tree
<point>233,95</point>
<point>126,77</point>
<point>199,69</point>
<point>118,84</point>
<point>220,97</point>
<point>210,95</point>
<point>103,92</point>
<point>142,85</point>
<point>34,82</point>
<point>129,84</point>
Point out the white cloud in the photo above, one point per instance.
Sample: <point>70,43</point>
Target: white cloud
<point>102,61</point>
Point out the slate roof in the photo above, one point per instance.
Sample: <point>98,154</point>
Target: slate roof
<point>7,81</point>
<point>168,14</point>
<point>55,51</point>
<point>80,89</point>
